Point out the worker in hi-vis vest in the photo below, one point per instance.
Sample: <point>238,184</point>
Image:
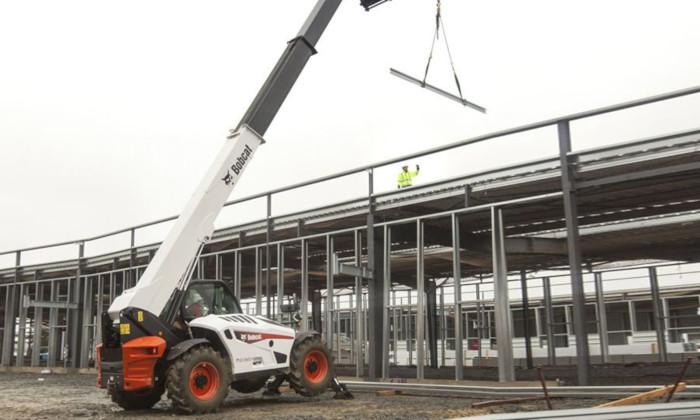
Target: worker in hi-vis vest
<point>406,176</point>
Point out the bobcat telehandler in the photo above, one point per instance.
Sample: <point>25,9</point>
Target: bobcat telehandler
<point>191,338</point>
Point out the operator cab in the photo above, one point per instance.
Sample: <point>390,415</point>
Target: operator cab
<point>206,297</point>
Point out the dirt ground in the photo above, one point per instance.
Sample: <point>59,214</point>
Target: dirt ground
<point>35,396</point>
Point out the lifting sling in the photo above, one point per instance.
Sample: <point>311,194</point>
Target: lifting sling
<point>438,26</point>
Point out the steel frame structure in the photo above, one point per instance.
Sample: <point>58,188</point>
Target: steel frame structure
<point>533,215</point>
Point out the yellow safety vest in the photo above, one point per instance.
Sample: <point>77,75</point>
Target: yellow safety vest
<point>405,178</point>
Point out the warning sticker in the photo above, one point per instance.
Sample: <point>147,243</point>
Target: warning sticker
<point>124,329</point>
<point>139,315</point>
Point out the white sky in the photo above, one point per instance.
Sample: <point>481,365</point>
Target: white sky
<point>110,112</point>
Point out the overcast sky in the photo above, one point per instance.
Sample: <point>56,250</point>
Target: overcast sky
<point>110,112</point>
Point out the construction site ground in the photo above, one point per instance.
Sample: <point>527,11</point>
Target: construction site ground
<point>61,396</point>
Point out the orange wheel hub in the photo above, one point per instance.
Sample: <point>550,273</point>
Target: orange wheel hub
<point>315,366</point>
<point>204,381</point>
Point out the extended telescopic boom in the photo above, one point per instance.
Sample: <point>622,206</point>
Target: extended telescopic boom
<point>169,272</point>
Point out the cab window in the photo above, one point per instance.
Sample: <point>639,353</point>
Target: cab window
<point>202,299</point>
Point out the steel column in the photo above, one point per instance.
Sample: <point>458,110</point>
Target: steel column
<point>100,308</point>
<point>11,305</point>
<point>258,283</point>
<point>53,327</point>
<point>268,237</point>
<point>602,317</point>
<point>38,315</point>
<point>238,257</point>
<point>457,280</point>
<point>75,328</point>
<point>432,327</point>
<point>359,321</point>
<point>385,305</point>
<point>568,181</point>
<point>549,321</point>
<point>526,320</point>
<point>132,262</point>
<point>409,329</point>
<point>420,302</point>
<point>504,323</point>
<point>479,323</point>
<point>328,311</point>
<point>659,317</point>
<point>22,324</point>
<point>375,304</point>
<point>280,281</point>
<point>86,322</point>
<point>304,285</point>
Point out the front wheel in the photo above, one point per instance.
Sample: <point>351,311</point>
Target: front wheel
<point>198,381</point>
<point>311,368</point>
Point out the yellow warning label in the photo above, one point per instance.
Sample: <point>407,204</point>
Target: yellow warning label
<point>124,329</point>
<point>139,315</point>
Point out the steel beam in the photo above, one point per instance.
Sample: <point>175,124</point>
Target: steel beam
<point>659,172</point>
<point>602,317</point>
<point>437,90</point>
<point>659,316</point>
<point>502,312</point>
<point>568,182</point>
<point>350,270</point>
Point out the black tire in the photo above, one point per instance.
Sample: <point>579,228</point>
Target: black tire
<point>137,400</point>
<point>248,386</point>
<point>198,381</point>
<point>311,368</point>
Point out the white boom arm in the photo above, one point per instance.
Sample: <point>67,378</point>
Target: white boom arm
<point>193,228</point>
<point>170,268</point>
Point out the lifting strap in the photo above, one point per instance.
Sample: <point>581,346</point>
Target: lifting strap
<point>439,25</point>
<point>436,36</point>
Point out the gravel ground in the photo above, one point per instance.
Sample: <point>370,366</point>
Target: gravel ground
<point>26,395</point>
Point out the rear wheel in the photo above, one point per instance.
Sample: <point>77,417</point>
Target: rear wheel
<point>137,400</point>
<point>198,381</point>
<point>311,368</point>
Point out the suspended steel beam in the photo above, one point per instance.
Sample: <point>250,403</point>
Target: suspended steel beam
<point>437,90</point>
